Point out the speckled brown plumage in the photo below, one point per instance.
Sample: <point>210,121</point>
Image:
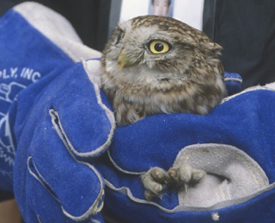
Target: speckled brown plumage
<point>156,65</point>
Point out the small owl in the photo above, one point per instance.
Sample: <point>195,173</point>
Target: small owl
<point>155,64</point>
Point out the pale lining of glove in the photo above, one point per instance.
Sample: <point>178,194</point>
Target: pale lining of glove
<point>230,174</point>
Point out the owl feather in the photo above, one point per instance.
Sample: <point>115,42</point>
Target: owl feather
<point>155,65</point>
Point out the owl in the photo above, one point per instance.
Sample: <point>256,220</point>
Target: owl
<point>155,65</point>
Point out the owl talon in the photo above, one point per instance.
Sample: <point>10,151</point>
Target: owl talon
<point>198,175</point>
<point>149,195</point>
<point>185,174</point>
<point>155,181</point>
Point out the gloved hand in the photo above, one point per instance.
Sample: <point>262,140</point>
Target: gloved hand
<point>67,127</point>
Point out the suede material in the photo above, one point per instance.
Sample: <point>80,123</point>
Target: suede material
<point>44,91</point>
<point>55,133</point>
<point>260,209</point>
<point>75,185</point>
<point>233,83</point>
<point>245,121</point>
<point>22,46</point>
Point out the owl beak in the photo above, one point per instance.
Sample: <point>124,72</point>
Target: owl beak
<point>123,60</point>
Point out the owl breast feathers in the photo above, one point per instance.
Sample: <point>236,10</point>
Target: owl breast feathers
<point>155,65</point>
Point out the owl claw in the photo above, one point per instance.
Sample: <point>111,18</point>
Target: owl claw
<point>155,181</point>
<point>185,174</point>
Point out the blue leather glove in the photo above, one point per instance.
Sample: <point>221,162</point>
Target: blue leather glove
<point>54,119</point>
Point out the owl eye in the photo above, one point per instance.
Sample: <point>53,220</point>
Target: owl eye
<point>158,46</point>
<point>119,36</point>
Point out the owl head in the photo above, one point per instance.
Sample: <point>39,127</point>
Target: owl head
<point>149,57</point>
<point>159,43</point>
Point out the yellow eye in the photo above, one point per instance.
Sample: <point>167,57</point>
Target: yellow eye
<point>158,46</point>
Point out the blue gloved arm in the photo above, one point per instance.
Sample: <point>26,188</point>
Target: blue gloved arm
<point>68,126</point>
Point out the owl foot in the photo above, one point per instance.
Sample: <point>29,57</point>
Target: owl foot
<point>185,174</point>
<point>155,181</point>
